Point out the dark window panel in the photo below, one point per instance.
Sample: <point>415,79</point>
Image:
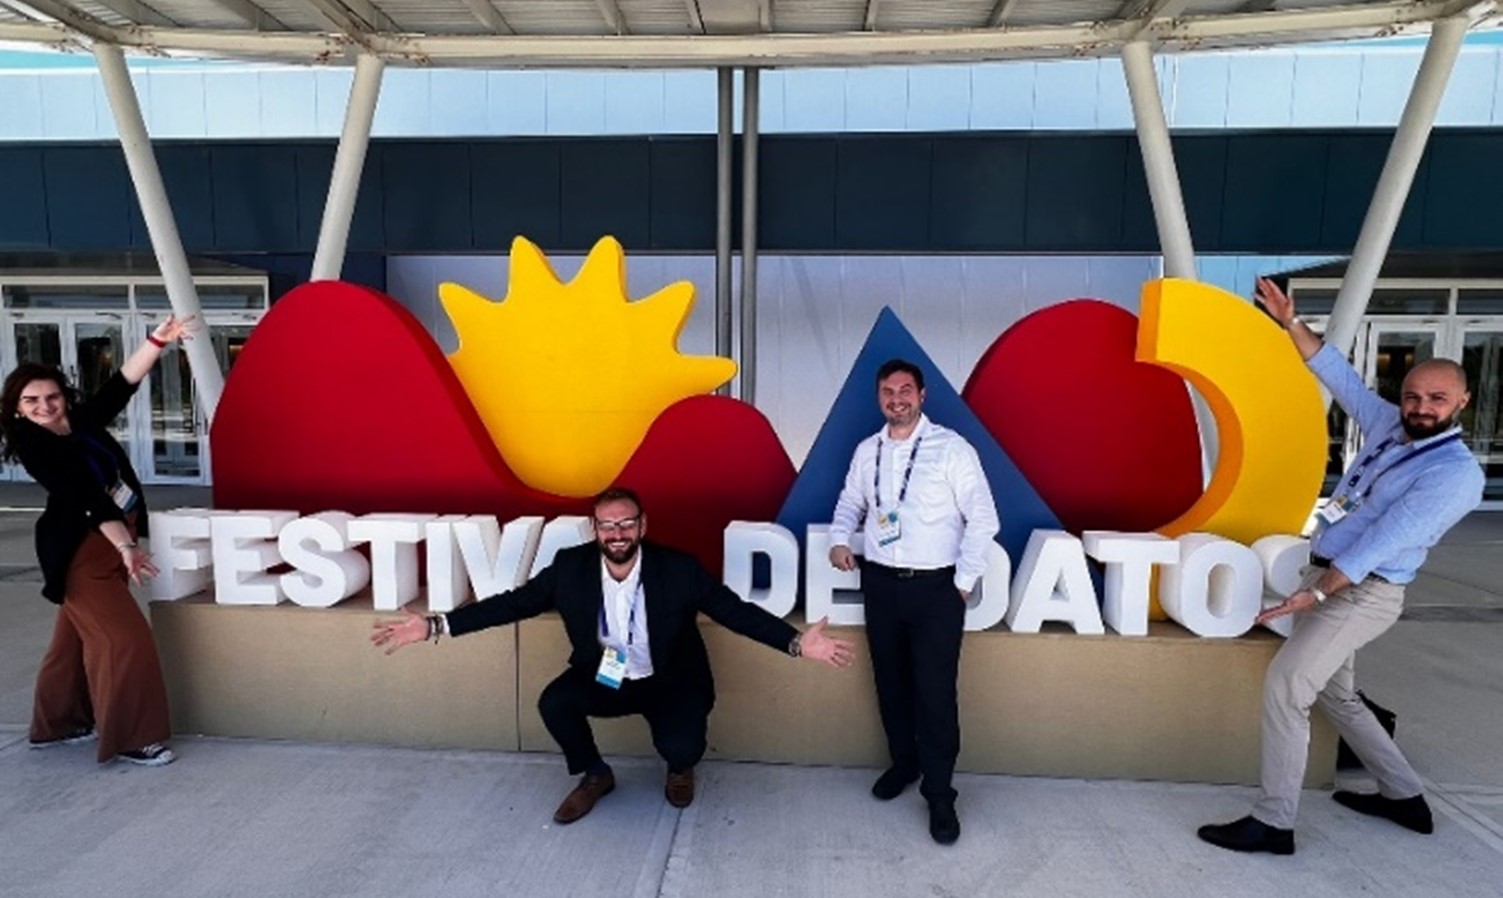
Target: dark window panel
<point>1275,192</point>
<point>427,201</point>
<point>88,197</point>
<point>255,197</point>
<point>517,192</point>
<point>796,193</point>
<point>1075,193</point>
<point>979,193</point>
<point>606,187</point>
<point>882,193</point>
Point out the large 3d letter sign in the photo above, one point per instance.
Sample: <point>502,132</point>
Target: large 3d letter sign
<point>487,473</point>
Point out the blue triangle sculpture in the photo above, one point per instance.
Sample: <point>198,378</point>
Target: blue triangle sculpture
<point>855,416</point>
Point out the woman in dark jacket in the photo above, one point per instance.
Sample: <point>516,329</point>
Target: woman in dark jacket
<point>100,677</point>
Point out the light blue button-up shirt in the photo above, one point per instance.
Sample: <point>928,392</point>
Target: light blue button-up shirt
<point>1406,506</point>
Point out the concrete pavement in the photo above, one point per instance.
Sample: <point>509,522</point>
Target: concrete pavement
<point>249,818</point>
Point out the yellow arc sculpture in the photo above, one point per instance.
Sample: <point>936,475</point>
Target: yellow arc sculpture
<point>1270,417</point>
<point>568,377</point>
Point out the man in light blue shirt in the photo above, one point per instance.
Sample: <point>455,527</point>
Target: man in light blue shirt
<point>1413,480</point>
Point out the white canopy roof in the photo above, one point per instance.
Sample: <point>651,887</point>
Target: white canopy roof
<point>703,33</point>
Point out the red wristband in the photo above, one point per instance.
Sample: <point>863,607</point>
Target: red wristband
<point>154,341</point>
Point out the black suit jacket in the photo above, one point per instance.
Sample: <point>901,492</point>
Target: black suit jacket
<point>77,502</point>
<point>675,588</point>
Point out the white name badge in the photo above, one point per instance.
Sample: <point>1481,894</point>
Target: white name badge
<point>123,495</point>
<point>612,668</point>
<point>889,529</point>
<point>1336,509</point>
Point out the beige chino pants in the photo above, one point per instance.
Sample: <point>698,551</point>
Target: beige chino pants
<point>1315,666</point>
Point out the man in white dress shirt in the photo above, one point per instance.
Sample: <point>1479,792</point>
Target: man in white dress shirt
<point>918,494</point>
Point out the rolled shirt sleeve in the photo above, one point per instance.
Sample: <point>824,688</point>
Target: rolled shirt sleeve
<point>1373,413</point>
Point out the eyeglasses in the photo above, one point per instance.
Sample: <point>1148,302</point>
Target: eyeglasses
<point>625,525</point>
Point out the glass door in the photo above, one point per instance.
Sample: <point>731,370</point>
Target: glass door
<point>1482,357</point>
<point>178,437</point>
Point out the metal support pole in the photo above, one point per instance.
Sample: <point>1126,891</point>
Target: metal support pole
<point>349,160</point>
<point>1393,184</point>
<point>1168,210</point>
<point>750,103</point>
<point>724,144</point>
<point>156,209</point>
<point>1158,161</point>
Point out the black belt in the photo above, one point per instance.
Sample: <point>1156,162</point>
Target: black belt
<point>1321,561</point>
<point>909,573</point>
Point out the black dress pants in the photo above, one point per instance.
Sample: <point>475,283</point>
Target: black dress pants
<point>677,714</point>
<point>914,627</point>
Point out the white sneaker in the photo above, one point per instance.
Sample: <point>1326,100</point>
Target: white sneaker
<point>154,755</point>
<point>77,737</point>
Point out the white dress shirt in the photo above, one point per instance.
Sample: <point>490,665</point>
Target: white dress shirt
<point>621,597</point>
<point>948,515</point>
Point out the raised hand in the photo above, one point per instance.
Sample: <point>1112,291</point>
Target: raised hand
<point>173,330</point>
<point>1276,301</point>
<point>820,646</point>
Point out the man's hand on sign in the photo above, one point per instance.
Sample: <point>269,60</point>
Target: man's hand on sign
<point>842,558</point>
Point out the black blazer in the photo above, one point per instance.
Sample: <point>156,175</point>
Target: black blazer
<point>675,588</point>
<point>76,502</point>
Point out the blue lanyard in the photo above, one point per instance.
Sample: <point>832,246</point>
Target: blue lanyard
<point>93,452</point>
<point>1356,475</point>
<point>631,618</point>
<point>907,475</point>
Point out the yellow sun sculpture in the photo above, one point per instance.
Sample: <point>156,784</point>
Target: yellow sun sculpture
<point>569,377</point>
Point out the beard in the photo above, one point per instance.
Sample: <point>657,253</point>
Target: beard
<point>1416,428</point>
<point>622,554</point>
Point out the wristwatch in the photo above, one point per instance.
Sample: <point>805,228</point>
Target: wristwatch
<point>796,645</point>
<point>1319,594</point>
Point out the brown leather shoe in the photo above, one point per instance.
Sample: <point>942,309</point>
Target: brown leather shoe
<point>679,790</point>
<point>592,787</point>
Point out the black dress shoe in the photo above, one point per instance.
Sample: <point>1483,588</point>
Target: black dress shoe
<point>1248,834</point>
<point>892,783</point>
<point>944,825</point>
<point>1410,813</point>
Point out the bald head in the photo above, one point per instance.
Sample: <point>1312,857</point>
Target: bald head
<point>1431,369</point>
<point>1434,393</point>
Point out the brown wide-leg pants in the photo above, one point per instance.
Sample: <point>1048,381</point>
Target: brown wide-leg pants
<point>101,669</point>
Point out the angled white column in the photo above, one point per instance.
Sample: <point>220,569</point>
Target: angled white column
<point>724,144</point>
<point>750,125</point>
<point>156,209</point>
<point>349,160</point>
<point>1168,208</point>
<point>1393,184</point>
<point>1158,161</point>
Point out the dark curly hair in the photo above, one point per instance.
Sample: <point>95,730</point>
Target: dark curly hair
<point>10,399</point>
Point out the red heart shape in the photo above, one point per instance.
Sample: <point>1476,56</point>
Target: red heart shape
<point>341,400</point>
<point>707,461</point>
<point>1110,443</point>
